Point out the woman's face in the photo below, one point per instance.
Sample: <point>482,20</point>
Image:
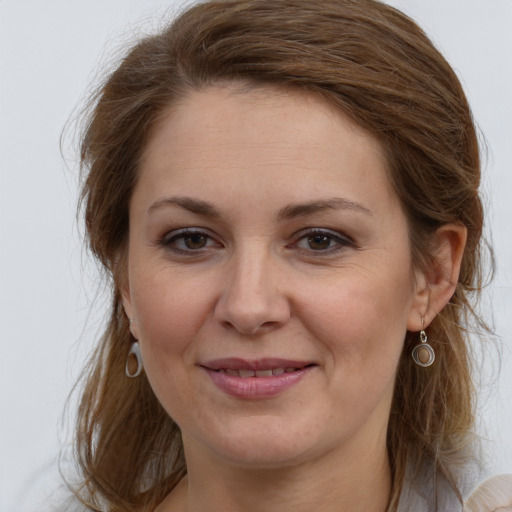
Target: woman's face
<point>269,277</point>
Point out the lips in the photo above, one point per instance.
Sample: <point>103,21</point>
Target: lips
<point>263,378</point>
<point>235,363</point>
<point>256,373</point>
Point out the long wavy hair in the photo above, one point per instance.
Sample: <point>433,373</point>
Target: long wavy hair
<point>371,62</point>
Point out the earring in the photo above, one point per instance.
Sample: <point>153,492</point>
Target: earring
<point>423,354</point>
<point>134,362</point>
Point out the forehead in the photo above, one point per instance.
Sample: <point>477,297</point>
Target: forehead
<point>261,138</point>
<point>235,109</point>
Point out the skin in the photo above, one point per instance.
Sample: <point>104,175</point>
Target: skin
<point>252,282</point>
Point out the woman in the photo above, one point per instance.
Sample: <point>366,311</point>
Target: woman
<point>286,198</point>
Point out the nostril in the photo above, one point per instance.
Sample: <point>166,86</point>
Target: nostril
<point>250,328</point>
<point>250,301</point>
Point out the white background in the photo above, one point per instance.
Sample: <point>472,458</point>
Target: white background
<point>49,53</point>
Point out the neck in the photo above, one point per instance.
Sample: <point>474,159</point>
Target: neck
<point>357,483</point>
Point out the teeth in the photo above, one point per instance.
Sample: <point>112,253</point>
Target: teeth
<point>263,373</point>
<point>256,373</point>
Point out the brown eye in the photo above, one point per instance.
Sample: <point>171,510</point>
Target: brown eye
<point>319,242</point>
<point>322,241</point>
<point>195,240</point>
<point>189,241</point>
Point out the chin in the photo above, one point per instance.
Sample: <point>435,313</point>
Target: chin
<point>265,445</point>
<point>263,456</point>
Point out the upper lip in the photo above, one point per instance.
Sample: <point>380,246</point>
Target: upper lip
<point>235,363</point>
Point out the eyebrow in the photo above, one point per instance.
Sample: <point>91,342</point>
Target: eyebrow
<point>336,203</point>
<point>198,206</point>
<point>206,209</point>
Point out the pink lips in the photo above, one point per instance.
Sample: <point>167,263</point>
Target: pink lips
<point>263,378</point>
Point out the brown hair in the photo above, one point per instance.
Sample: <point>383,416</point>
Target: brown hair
<point>373,63</point>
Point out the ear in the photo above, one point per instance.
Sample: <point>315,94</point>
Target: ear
<point>435,284</point>
<point>126,298</point>
<point>122,280</point>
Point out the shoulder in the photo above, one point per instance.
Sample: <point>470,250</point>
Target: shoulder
<point>493,495</point>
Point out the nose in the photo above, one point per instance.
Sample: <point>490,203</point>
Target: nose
<point>252,300</point>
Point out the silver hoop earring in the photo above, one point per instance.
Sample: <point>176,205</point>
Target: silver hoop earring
<point>134,362</point>
<point>423,354</point>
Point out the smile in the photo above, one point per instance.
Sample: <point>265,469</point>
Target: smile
<point>256,379</point>
<point>257,373</point>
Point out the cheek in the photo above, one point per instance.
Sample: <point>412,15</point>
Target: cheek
<point>169,316</point>
<point>361,321</point>
<point>169,312</point>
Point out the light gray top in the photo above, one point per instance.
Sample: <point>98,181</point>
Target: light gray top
<point>426,491</point>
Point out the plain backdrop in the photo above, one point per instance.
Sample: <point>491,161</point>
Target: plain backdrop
<point>49,55</point>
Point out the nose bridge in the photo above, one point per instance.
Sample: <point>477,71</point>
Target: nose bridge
<point>252,298</point>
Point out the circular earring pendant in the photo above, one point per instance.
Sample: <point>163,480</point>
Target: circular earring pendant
<point>423,354</point>
<point>133,362</point>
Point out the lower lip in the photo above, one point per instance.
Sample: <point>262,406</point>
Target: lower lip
<point>256,387</point>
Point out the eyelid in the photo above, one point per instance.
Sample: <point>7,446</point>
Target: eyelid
<point>343,240</point>
<point>174,235</point>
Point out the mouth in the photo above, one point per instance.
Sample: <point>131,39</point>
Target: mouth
<point>263,378</point>
<point>267,367</point>
<point>268,372</point>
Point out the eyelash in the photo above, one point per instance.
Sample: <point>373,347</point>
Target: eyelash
<point>182,234</point>
<point>341,241</point>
